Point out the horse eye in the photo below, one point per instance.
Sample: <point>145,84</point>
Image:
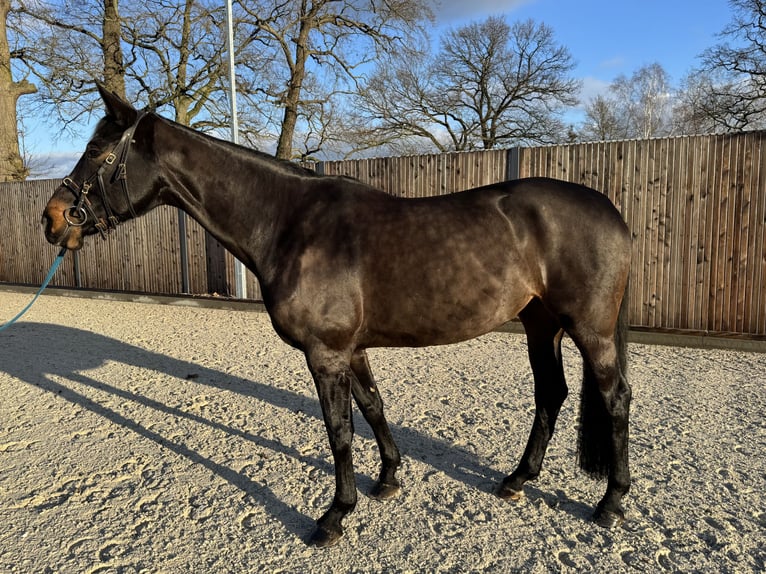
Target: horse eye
<point>93,152</point>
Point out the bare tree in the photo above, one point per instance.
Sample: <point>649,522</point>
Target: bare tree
<point>733,95</point>
<point>491,83</point>
<point>399,109</point>
<point>644,101</point>
<point>507,80</point>
<point>639,106</point>
<point>67,49</point>
<point>293,58</point>
<point>176,58</point>
<point>707,103</point>
<point>316,49</point>
<point>601,120</point>
<point>169,53</point>
<point>12,165</point>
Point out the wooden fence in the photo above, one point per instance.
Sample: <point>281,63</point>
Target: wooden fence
<point>696,207</point>
<point>697,210</point>
<point>143,255</point>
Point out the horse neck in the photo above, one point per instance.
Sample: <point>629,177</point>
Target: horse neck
<point>239,196</point>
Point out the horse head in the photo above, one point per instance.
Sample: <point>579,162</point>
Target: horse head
<point>98,194</point>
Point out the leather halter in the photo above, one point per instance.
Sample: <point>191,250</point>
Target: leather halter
<point>78,214</point>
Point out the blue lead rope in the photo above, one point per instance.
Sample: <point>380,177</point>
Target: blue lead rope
<point>48,278</point>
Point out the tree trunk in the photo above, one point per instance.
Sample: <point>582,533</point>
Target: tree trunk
<point>289,121</point>
<point>114,68</point>
<point>292,101</point>
<point>12,166</point>
<point>294,89</point>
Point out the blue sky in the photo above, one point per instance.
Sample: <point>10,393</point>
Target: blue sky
<point>612,37</point>
<point>605,37</point>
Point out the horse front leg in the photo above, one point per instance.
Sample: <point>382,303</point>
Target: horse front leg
<point>544,347</point>
<point>334,378</point>
<point>367,397</point>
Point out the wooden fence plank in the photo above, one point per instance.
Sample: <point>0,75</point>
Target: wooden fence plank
<point>758,325</point>
<point>692,204</point>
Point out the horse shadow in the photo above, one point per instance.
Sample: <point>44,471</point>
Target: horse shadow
<point>70,352</point>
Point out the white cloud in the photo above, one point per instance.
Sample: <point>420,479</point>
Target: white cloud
<point>592,87</point>
<point>52,165</point>
<point>616,62</point>
<point>455,12</point>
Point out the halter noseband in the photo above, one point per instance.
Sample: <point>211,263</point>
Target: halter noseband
<point>78,214</point>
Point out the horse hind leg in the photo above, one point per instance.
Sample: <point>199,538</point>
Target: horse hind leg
<point>604,414</point>
<point>544,346</point>
<point>368,399</point>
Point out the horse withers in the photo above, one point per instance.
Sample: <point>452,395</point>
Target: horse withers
<point>344,267</point>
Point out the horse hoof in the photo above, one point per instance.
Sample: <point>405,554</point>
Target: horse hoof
<point>322,538</point>
<point>607,519</point>
<point>383,491</point>
<point>511,494</point>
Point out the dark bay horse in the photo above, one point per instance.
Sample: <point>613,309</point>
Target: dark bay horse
<point>344,267</point>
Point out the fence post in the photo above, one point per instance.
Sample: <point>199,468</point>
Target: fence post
<point>217,269</point>
<point>184,252</point>
<point>512,164</point>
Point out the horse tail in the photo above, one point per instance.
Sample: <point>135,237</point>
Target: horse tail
<point>594,441</point>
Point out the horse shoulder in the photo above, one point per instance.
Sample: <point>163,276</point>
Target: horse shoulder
<point>314,291</point>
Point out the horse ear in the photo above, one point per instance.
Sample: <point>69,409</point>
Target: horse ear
<point>116,107</point>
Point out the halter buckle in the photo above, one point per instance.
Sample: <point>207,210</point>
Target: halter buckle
<point>69,183</point>
<point>102,229</point>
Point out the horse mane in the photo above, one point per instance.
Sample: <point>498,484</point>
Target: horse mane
<point>283,165</point>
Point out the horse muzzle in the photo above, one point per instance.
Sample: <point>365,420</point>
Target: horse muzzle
<point>63,223</point>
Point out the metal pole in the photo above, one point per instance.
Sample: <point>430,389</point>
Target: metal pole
<point>232,73</point>
<point>240,283</point>
<point>77,272</point>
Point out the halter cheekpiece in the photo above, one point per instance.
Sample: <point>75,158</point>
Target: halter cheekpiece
<point>78,214</point>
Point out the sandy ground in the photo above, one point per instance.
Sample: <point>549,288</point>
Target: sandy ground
<point>150,438</point>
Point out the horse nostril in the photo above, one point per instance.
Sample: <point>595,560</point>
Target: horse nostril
<point>47,219</point>
<point>52,217</point>
<point>48,222</point>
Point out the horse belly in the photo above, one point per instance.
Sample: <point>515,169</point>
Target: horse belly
<point>430,304</point>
